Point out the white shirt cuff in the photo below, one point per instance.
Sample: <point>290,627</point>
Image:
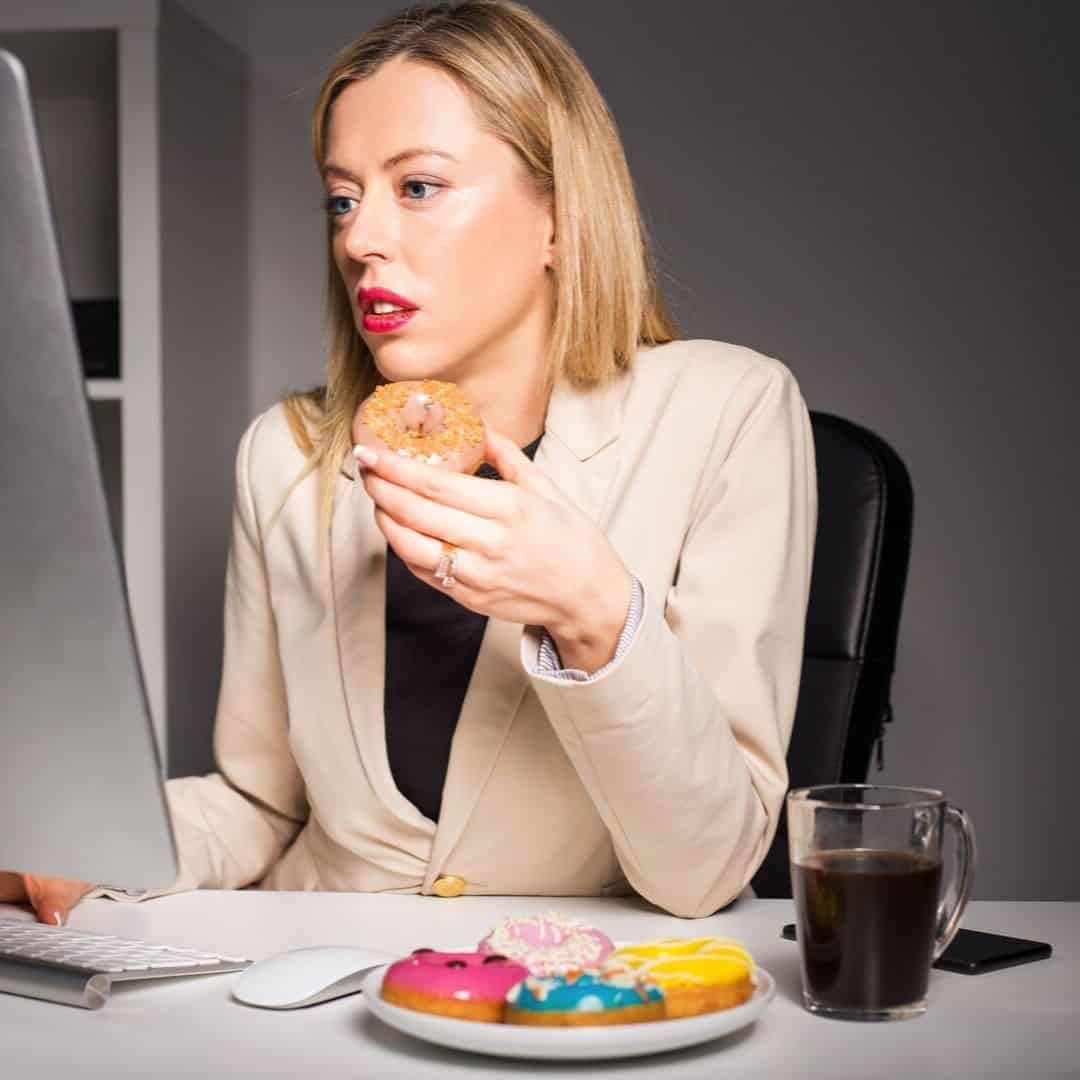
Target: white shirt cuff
<point>548,662</point>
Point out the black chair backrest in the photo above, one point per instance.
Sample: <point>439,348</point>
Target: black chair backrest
<point>856,592</point>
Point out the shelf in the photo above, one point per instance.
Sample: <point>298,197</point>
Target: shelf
<point>105,389</point>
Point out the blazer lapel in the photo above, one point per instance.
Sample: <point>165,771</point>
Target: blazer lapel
<point>579,452</point>
<point>358,573</point>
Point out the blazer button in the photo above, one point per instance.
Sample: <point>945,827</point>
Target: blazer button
<point>448,885</point>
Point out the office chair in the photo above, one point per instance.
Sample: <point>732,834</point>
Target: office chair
<point>856,593</point>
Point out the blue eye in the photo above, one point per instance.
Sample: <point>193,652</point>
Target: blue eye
<point>338,206</point>
<point>333,205</point>
<point>423,184</point>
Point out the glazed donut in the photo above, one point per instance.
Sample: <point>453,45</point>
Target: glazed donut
<point>426,419</point>
<point>699,984</point>
<point>468,986</point>
<point>632,957</point>
<point>583,1000</point>
<point>549,944</point>
<point>696,975</point>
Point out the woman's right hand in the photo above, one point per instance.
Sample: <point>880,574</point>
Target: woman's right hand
<point>51,898</point>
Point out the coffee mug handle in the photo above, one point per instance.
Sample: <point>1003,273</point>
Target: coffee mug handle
<point>954,896</point>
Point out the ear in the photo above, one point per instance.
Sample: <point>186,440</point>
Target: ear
<point>551,251</point>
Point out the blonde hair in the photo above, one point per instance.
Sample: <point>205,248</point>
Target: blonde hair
<point>530,89</point>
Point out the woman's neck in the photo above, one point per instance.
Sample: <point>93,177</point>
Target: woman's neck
<point>509,387</point>
<point>514,406</point>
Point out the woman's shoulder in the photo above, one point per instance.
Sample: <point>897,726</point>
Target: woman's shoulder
<point>703,385</point>
<point>692,402</point>
<point>269,456</point>
<point>702,365</point>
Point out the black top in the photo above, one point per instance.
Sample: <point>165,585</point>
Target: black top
<point>431,647</point>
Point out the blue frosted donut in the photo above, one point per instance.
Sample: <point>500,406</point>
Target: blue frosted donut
<point>580,999</point>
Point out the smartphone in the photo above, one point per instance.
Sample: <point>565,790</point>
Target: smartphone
<point>972,952</point>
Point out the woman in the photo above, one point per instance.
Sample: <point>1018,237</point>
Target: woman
<point>599,696</point>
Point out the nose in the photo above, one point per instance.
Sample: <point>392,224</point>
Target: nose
<point>370,232</point>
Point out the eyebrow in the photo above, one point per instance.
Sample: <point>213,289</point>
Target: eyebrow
<point>332,168</point>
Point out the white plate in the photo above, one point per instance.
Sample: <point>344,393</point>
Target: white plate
<point>609,1041</point>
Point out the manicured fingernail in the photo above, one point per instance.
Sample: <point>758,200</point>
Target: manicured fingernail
<point>365,455</point>
<point>56,916</point>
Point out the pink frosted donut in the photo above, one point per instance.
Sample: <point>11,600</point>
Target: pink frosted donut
<point>425,419</point>
<point>550,944</point>
<point>469,985</point>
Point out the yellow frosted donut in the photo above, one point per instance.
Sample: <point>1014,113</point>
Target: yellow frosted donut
<point>696,974</point>
<point>634,956</point>
<point>699,984</point>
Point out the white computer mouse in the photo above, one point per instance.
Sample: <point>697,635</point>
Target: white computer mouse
<point>301,977</point>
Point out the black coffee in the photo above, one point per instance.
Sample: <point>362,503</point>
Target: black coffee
<point>866,926</point>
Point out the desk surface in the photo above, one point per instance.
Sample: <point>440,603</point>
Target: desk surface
<point>1017,1022</point>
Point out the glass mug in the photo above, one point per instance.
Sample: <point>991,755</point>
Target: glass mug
<point>866,876</point>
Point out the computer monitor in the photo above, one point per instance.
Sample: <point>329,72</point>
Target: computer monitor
<point>81,792</point>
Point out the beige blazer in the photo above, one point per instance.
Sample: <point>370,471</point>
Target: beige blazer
<point>665,775</point>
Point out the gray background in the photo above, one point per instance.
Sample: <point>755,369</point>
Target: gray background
<point>879,194</point>
<point>882,195</point>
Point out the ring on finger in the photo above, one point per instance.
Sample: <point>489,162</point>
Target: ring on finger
<point>447,566</point>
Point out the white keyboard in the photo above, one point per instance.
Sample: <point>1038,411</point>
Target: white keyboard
<point>76,967</point>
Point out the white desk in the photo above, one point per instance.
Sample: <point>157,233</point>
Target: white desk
<point>1019,1022</point>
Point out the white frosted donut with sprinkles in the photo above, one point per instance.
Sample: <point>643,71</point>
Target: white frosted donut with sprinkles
<point>549,944</point>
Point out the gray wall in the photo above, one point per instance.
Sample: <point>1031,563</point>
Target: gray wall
<point>882,195</point>
<point>73,79</point>
<point>207,357</point>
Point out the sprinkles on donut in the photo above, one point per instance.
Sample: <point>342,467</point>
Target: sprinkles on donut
<point>584,1000</point>
<point>550,944</point>
<point>425,419</point>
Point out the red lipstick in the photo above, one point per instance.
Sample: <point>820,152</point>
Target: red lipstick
<point>384,323</point>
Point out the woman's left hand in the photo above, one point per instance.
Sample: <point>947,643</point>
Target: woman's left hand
<point>526,554</point>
